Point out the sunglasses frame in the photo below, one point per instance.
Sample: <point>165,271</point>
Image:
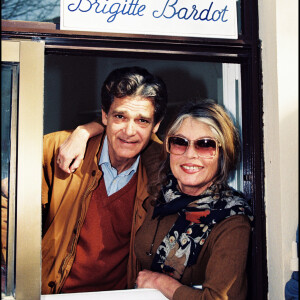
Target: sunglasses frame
<point>192,143</point>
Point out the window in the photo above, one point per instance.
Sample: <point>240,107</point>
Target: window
<point>73,84</point>
<point>9,93</point>
<point>232,60</point>
<point>34,10</point>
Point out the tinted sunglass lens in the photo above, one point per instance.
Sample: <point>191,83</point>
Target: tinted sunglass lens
<point>206,143</point>
<point>177,145</point>
<point>206,147</point>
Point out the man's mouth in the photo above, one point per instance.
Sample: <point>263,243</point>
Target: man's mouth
<point>128,142</point>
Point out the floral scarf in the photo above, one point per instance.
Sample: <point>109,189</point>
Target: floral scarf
<point>197,216</point>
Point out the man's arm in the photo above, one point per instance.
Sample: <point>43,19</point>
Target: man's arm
<point>72,151</point>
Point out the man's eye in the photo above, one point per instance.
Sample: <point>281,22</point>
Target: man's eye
<point>144,121</point>
<point>119,116</point>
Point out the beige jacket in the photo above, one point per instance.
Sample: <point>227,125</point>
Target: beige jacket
<point>65,200</point>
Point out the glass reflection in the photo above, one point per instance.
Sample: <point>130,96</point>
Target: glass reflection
<point>9,82</point>
<point>31,10</point>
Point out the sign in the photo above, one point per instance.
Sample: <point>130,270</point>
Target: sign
<point>190,18</point>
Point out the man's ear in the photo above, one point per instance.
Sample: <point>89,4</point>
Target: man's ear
<point>155,128</point>
<point>104,117</point>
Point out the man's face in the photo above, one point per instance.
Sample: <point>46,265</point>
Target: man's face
<point>129,125</point>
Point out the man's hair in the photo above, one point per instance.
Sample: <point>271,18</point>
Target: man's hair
<point>135,81</point>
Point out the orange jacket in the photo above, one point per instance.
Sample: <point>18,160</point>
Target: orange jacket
<point>65,200</point>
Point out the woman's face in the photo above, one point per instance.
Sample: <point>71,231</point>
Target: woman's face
<point>193,173</point>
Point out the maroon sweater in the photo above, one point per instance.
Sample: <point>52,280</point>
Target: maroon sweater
<point>103,247</point>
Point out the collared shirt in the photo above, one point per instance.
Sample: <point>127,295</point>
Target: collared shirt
<point>114,181</point>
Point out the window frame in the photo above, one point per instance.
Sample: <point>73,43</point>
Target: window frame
<point>28,110</point>
<point>244,51</point>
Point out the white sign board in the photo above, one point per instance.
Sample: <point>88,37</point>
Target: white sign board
<point>191,18</point>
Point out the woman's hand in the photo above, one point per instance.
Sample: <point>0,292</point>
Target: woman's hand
<point>153,280</point>
<point>71,152</point>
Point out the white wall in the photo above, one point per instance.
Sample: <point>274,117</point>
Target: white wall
<point>278,27</point>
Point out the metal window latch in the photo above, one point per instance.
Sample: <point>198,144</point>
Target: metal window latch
<point>248,177</point>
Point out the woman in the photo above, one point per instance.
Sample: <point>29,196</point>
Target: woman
<point>196,232</point>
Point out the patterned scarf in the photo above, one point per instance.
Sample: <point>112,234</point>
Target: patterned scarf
<point>197,216</point>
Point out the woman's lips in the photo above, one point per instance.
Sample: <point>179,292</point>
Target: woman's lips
<point>191,168</point>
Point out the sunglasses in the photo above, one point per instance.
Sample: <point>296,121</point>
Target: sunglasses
<point>205,147</point>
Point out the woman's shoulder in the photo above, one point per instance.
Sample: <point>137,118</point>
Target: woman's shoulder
<point>235,220</point>
<point>236,226</point>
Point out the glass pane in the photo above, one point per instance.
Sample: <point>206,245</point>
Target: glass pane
<point>232,100</point>
<point>9,88</point>
<point>73,85</point>
<point>31,10</point>
<point>238,11</point>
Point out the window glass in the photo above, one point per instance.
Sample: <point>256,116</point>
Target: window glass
<point>31,10</point>
<point>9,82</point>
<point>73,85</point>
<point>238,11</point>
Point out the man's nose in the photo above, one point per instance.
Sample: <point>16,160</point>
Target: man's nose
<point>130,128</point>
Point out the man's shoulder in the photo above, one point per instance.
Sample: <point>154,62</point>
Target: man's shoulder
<point>154,147</point>
<point>58,134</point>
<point>56,138</point>
<point>152,157</point>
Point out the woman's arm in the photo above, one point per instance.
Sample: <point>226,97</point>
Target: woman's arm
<point>71,152</point>
<point>164,283</point>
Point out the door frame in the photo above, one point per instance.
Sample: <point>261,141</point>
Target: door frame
<point>246,51</point>
<point>24,229</point>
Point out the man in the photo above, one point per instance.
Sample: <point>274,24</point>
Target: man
<point>90,215</point>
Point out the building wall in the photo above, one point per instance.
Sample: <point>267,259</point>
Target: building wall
<point>278,29</point>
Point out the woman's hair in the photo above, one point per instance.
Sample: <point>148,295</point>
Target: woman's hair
<point>223,128</point>
<point>135,81</point>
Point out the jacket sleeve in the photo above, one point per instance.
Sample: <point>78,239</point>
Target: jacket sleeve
<point>225,276</point>
<point>51,143</point>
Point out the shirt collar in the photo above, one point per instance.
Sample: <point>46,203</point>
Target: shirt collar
<point>104,159</point>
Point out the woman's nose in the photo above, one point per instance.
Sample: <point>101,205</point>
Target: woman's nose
<point>191,152</point>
